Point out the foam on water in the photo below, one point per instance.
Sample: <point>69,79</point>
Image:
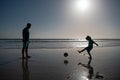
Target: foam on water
<point>55,43</point>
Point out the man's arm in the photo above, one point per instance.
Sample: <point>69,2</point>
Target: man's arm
<point>24,35</point>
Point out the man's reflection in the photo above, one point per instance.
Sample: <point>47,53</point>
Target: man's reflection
<point>25,69</point>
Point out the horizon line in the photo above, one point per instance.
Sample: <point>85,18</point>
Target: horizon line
<point>55,38</point>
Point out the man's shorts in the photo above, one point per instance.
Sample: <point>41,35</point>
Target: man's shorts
<point>25,44</point>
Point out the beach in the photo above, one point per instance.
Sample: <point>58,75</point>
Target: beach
<point>59,39</point>
<point>50,64</point>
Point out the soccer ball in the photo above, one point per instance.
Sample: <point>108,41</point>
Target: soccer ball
<point>65,54</point>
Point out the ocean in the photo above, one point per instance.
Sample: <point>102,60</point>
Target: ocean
<point>48,60</point>
<point>56,43</point>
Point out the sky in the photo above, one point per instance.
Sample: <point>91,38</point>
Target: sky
<point>60,18</point>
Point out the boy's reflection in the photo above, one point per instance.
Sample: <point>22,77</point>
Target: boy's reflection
<point>89,67</point>
<point>91,71</point>
<point>25,69</point>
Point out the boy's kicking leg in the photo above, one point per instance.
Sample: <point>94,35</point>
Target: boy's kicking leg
<point>82,50</point>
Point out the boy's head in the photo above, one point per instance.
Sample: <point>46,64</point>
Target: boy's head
<point>88,38</point>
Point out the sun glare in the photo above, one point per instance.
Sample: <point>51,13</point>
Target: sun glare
<point>81,5</point>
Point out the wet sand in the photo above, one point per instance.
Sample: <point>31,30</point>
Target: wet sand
<point>50,64</point>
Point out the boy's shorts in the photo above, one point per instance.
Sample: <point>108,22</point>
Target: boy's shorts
<point>25,44</point>
<point>88,49</point>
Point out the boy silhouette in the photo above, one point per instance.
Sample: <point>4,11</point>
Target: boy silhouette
<point>89,47</point>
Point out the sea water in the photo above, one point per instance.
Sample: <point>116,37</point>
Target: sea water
<point>55,43</point>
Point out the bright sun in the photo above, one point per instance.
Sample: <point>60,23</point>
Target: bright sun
<point>81,5</point>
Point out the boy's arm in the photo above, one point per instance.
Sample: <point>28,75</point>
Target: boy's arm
<point>95,43</point>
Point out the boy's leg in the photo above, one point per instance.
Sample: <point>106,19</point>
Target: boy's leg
<point>88,50</point>
<point>90,57</point>
<point>82,50</point>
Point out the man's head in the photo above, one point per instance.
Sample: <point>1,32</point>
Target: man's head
<point>28,25</point>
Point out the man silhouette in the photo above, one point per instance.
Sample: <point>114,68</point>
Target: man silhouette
<point>25,35</point>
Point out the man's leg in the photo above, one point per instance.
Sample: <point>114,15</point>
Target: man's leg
<point>26,50</point>
<point>23,53</point>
